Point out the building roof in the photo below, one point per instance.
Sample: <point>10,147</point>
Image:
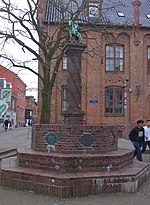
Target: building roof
<point>4,71</point>
<point>127,10</point>
<point>54,12</point>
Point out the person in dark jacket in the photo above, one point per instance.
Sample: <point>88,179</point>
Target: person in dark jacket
<point>137,137</point>
<point>6,122</point>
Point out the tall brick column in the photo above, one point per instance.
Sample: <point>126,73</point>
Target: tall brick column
<point>74,115</point>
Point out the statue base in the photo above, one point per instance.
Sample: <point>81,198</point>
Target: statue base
<point>74,161</point>
<point>73,118</point>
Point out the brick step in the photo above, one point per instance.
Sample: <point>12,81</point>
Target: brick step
<point>63,163</point>
<point>125,180</point>
<point>8,153</point>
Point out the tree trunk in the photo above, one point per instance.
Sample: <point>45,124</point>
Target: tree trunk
<point>49,76</point>
<point>46,98</point>
<point>46,106</point>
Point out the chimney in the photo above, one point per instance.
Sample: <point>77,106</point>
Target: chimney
<point>136,5</point>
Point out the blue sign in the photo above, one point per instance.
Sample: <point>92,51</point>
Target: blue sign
<point>93,101</point>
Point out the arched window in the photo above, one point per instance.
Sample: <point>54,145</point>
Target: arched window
<point>114,57</point>
<point>64,98</point>
<point>65,64</point>
<point>148,60</point>
<point>114,100</point>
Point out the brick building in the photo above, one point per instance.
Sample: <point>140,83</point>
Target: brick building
<point>18,95</point>
<point>30,110</point>
<point>115,66</point>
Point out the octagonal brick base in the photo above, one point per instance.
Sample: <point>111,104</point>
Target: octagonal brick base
<point>125,180</point>
<point>74,163</point>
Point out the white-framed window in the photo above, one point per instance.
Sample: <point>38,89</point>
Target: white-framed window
<point>114,101</point>
<point>64,98</point>
<point>65,62</point>
<point>114,58</point>
<point>13,104</point>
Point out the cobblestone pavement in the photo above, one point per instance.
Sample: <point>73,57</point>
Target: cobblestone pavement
<point>142,197</point>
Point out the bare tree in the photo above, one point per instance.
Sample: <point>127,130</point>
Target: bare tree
<point>25,28</point>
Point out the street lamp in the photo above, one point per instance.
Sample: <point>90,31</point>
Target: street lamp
<point>127,91</point>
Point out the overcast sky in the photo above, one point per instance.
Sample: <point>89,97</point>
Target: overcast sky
<point>27,77</point>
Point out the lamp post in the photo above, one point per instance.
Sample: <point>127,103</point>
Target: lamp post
<point>127,90</point>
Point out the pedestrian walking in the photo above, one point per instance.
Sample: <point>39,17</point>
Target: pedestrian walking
<point>137,137</point>
<point>6,122</point>
<point>147,136</point>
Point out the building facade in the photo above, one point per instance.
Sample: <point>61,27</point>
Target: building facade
<point>17,96</point>
<point>115,67</point>
<point>30,110</point>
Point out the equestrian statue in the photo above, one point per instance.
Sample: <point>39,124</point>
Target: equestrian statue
<point>75,31</point>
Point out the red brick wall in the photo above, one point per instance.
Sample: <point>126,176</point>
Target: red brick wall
<point>106,138</point>
<point>17,84</point>
<point>95,79</point>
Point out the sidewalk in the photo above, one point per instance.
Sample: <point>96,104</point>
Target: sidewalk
<point>13,197</point>
<point>3,130</point>
<point>126,144</point>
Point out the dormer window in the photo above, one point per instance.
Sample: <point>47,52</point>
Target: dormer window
<point>93,9</point>
<point>120,14</point>
<point>148,16</point>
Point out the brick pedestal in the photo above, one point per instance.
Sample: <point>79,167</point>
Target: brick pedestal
<point>74,139</point>
<point>74,115</point>
<point>63,163</point>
